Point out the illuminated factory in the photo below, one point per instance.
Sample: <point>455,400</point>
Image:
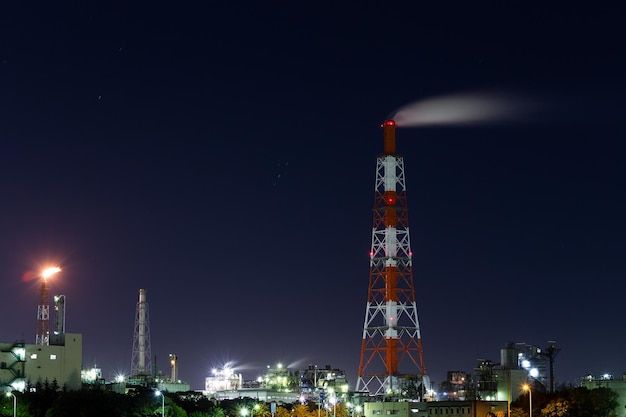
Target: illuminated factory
<point>54,358</point>
<point>391,377</point>
<point>279,384</point>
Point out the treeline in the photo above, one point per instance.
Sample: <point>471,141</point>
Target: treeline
<point>567,402</point>
<point>95,401</point>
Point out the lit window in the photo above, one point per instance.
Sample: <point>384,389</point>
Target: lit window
<point>53,357</point>
<point>33,356</point>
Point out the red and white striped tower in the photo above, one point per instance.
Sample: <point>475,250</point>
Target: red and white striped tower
<point>42,336</point>
<point>43,315</point>
<point>391,349</point>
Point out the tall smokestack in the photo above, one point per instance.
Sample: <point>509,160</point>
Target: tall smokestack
<point>391,345</point>
<point>58,335</point>
<point>174,366</point>
<point>389,133</point>
<point>140,363</point>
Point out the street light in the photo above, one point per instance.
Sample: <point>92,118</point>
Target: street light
<point>526,387</point>
<point>333,401</point>
<point>157,393</point>
<point>14,403</point>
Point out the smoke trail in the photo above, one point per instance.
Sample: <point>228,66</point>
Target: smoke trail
<point>574,105</point>
<point>468,109</point>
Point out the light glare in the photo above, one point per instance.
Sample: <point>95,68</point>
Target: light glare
<point>48,272</point>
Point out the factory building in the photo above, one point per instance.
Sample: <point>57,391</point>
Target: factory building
<point>55,360</point>
<point>280,385</point>
<point>27,365</point>
<point>616,385</point>
<point>472,408</point>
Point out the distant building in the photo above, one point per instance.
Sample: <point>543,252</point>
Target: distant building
<point>169,386</point>
<point>395,408</point>
<point>222,380</point>
<point>616,385</point>
<point>259,394</point>
<point>435,408</point>
<point>280,385</point>
<point>25,365</point>
<point>473,408</point>
<point>510,383</point>
<point>519,364</point>
<point>92,376</point>
<point>457,386</point>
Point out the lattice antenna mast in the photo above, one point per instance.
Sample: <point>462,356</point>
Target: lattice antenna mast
<point>391,349</point>
<point>140,363</point>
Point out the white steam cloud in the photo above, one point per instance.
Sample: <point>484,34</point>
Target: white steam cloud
<point>467,109</point>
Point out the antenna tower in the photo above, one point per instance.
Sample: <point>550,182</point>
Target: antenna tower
<point>140,363</point>
<point>391,349</point>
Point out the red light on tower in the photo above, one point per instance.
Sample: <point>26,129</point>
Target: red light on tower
<point>389,132</point>
<point>390,198</point>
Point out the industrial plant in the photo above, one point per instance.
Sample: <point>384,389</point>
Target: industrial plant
<point>54,357</point>
<point>391,378</point>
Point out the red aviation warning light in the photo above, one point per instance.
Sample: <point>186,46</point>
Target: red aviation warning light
<point>391,348</point>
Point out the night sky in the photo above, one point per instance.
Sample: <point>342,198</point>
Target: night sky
<point>222,156</point>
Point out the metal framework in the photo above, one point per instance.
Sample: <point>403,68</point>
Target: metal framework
<point>43,316</point>
<point>58,334</point>
<point>391,348</point>
<point>140,363</point>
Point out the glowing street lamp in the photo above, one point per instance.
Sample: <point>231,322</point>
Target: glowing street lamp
<point>157,393</point>
<point>333,401</point>
<point>9,393</point>
<point>526,387</point>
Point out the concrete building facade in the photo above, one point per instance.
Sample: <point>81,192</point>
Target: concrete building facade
<point>618,386</point>
<point>23,365</point>
<point>436,408</point>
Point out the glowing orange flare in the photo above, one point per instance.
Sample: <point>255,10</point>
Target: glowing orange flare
<point>48,272</point>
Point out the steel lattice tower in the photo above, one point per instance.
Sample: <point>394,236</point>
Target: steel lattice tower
<point>140,363</point>
<point>43,315</point>
<point>391,349</point>
<point>42,336</point>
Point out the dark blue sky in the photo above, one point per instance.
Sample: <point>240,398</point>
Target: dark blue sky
<point>141,145</point>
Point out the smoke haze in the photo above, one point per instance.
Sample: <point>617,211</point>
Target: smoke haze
<point>467,109</point>
<point>497,107</point>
